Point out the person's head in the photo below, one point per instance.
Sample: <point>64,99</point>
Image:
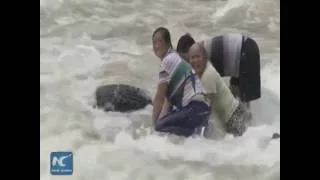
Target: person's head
<point>184,43</point>
<point>161,41</point>
<point>197,58</point>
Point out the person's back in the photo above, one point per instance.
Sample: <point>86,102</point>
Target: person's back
<point>176,69</point>
<point>224,53</point>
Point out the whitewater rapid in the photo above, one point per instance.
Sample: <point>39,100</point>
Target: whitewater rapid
<point>85,44</point>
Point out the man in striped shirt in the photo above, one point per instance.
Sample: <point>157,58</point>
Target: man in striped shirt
<point>178,88</point>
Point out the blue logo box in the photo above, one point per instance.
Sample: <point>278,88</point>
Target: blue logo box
<point>61,163</point>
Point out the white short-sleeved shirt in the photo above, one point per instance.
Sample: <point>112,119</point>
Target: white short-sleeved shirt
<point>167,68</point>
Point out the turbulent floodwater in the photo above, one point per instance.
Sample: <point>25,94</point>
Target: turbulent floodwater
<point>86,43</point>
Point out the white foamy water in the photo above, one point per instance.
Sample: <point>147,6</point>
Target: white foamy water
<point>85,44</point>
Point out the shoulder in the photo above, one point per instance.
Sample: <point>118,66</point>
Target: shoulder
<point>209,78</point>
<point>170,59</point>
<point>173,56</point>
<point>210,71</point>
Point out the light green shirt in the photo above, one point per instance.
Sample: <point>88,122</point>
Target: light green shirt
<point>222,100</point>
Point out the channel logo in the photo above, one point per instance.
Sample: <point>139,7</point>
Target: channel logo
<point>61,163</point>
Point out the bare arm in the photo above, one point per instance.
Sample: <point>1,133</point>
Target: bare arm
<point>159,100</point>
<point>165,108</point>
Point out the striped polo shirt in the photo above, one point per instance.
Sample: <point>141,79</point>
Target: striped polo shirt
<point>167,68</point>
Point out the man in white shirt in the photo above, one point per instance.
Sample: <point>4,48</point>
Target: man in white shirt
<point>178,87</point>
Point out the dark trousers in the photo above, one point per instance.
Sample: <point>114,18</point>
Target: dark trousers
<point>249,81</point>
<point>184,122</point>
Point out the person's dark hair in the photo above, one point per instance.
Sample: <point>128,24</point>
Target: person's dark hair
<point>165,34</point>
<point>184,43</point>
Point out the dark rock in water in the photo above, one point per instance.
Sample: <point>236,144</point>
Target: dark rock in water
<point>275,136</point>
<point>121,97</point>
